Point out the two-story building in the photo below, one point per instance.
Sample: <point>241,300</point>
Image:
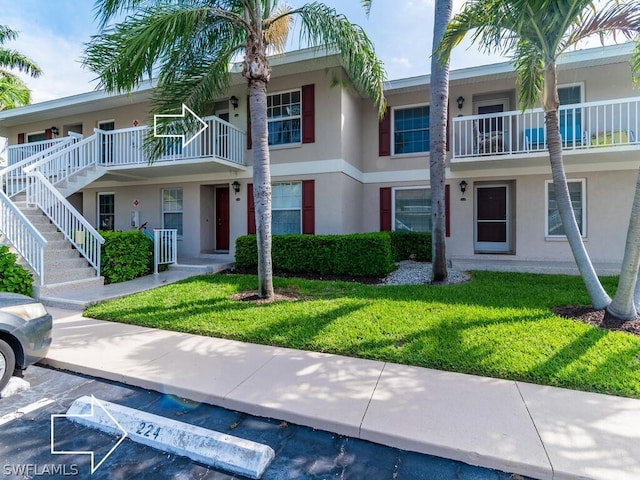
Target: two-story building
<point>335,167</point>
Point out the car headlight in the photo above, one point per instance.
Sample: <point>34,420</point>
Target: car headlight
<point>26,311</point>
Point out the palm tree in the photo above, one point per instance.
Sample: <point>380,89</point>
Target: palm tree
<point>535,33</point>
<point>191,43</point>
<point>13,91</point>
<point>438,111</point>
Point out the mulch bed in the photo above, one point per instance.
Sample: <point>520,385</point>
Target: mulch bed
<point>598,318</point>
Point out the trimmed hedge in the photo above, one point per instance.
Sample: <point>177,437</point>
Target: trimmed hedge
<point>411,246</point>
<point>14,277</point>
<point>125,256</point>
<point>358,255</point>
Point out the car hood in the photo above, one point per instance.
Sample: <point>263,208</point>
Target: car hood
<point>9,299</point>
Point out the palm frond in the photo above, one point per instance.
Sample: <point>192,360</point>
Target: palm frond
<point>323,27</point>
<point>13,92</point>
<point>613,19</point>
<point>16,60</point>
<point>529,66</point>
<point>7,33</point>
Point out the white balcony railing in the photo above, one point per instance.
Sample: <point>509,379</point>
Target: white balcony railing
<point>123,147</point>
<point>17,153</point>
<point>583,126</point>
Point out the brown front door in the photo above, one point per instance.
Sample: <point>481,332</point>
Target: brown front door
<point>492,218</point>
<point>222,218</point>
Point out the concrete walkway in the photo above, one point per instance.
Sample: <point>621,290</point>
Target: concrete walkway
<point>537,431</point>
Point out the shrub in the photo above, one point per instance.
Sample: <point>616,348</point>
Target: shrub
<point>13,276</point>
<point>125,256</point>
<point>359,255</point>
<point>411,246</point>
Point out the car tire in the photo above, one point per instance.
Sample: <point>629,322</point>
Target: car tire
<point>7,363</point>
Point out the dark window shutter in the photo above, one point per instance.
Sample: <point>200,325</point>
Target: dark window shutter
<point>248,125</point>
<point>384,135</point>
<point>447,210</point>
<point>48,134</point>
<point>251,211</point>
<point>21,138</point>
<point>308,114</point>
<point>385,209</point>
<point>308,207</point>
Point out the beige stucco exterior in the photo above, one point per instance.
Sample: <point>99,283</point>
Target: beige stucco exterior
<point>349,173</point>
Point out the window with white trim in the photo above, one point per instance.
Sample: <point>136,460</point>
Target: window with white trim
<point>284,117</point>
<point>411,129</point>
<point>553,222</point>
<point>172,209</point>
<point>412,209</point>
<point>286,208</point>
<point>106,211</point>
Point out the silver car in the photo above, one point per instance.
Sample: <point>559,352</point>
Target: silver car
<point>25,334</point>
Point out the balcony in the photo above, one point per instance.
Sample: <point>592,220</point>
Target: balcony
<point>221,143</point>
<point>592,127</point>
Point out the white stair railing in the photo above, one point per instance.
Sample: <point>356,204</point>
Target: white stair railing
<point>22,151</point>
<point>24,237</point>
<point>14,177</point>
<point>165,247</point>
<point>63,215</point>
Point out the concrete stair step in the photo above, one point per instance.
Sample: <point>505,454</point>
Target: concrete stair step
<point>53,265</point>
<point>52,289</point>
<point>52,235</point>
<point>70,274</point>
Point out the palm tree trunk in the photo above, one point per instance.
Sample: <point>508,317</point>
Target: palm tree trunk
<point>439,99</point>
<point>261,185</point>
<point>599,298</point>
<point>623,305</point>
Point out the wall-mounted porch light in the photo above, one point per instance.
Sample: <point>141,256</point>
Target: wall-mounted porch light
<point>55,131</point>
<point>234,102</point>
<point>463,188</point>
<point>460,101</point>
<point>236,186</point>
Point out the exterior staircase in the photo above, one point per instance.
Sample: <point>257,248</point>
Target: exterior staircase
<point>64,267</point>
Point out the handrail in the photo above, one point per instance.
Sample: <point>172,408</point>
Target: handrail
<point>165,247</point>
<point>14,176</point>
<point>24,237</point>
<point>69,221</point>
<point>124,147</point>
<point>35,147</point>
<point>583,126</point>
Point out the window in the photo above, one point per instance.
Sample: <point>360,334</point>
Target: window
<point>36,137</point>
<point>284,118</point>
<point>411,130</point>
<point>286,207</point>
<point>172,209</point>
<point>554,226</point>
<point>570,118</point>
<point>412,209</point>
<point>106,211</point>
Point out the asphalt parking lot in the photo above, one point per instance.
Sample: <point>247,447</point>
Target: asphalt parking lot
<point>301,453</point>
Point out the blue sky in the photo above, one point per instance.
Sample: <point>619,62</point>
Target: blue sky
<point>53,33</point>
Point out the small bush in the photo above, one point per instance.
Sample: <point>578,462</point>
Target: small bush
<point>13,276</point>
<point>411,246</point>
<point>125,256</point>
<point>359,255</point>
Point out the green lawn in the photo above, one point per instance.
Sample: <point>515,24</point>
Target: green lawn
<point>498,325</point>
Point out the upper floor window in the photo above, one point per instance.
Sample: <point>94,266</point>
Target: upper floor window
<point>554,227</point>
<point>284,118</point>
<point>36,137</point>
<point>411,130</point>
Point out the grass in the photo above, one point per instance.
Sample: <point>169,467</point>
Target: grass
<point>498,325</point>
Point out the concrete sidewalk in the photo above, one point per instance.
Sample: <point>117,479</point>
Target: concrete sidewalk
<point>537,431</point>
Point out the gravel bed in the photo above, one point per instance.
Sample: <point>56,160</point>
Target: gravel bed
<point>410,272</point>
